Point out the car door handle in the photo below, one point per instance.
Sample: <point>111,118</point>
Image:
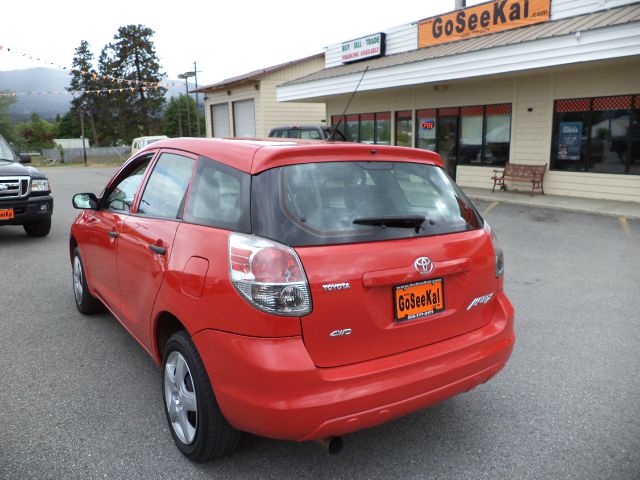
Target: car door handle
<point>157,249</point>
<point>113,234</point>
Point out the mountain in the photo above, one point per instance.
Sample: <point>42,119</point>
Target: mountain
<point>42,80</point>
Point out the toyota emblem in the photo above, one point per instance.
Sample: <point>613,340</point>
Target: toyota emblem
<point>423,265</point>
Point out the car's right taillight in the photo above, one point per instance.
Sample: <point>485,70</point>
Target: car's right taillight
<point>497,251</point>
<point>268,275</point>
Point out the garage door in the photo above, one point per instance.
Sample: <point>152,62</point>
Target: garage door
<point>221,124</point>
<point>244,118</point>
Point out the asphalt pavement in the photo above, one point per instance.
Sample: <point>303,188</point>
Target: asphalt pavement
<point>80,399</point>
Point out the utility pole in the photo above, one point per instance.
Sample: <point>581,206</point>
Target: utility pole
<point>195,76</point>
<point>186,76</point>
<point>84,145</point>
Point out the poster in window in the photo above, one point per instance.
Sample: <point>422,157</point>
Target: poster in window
<point>569,140</point>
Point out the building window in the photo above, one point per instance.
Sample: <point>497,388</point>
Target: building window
<point>597,135</point>
<point>352,128</point>
<point>497,134</point>
<point>383,128</point>
<point>469,135</point>
<point>426,129</point>
<point>404,134</point>
<point>471,124</point>
<point>365,127</point>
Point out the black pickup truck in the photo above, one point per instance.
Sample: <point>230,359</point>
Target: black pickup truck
<point>25,196</point>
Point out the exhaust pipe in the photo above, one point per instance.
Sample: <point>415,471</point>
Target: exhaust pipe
<point>332,444</point>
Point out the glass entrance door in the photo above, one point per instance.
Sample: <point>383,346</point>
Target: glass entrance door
<point>447,136</point>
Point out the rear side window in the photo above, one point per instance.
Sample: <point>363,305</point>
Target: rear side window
<point>219,197</point>
<point>166,189</point>
<point>310,134</point>
<point>346,202</point>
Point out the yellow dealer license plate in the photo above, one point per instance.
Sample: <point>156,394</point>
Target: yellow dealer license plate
<point>419,299</point>
<point>6,214</point>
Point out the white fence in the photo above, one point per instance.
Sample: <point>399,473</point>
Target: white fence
<point>95,154</point>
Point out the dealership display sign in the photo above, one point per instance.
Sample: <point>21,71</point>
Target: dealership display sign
<point>366,47</point>
<point>569,140</point>
<point>482,19</point>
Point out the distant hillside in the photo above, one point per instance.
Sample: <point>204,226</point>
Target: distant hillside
<point>47,80</point>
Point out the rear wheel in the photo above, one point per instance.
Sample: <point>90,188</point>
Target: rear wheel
<point>85,302</point>
<point>197,426</point>
<point>38,229</point>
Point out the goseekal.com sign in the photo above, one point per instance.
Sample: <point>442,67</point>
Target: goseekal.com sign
<point>482,19</point>
<point>361,48</point>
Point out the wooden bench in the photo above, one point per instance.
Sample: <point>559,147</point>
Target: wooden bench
<point>533,174</point>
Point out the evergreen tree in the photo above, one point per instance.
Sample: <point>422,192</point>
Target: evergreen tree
<point>68,126</point>
<point>36,133</point>
<point>85,77</point>
<point>175,120</point>
<point>132,56</point>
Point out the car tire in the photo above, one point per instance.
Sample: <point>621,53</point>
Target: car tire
<point>85,302</point>
<point>197,425</point>
<point>38,229</point>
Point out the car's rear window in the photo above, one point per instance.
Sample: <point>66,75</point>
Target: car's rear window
<point>318,203</point>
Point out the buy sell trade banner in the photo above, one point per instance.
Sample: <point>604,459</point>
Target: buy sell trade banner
<point>490,17</point>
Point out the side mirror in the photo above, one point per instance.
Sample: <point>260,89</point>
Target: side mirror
<point>85,201</point>
<point>24,158</point>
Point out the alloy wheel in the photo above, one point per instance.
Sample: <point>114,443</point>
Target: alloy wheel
<point>180,398</point>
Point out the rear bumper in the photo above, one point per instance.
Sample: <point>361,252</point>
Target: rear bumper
<point>32,209</point>
<point>270,386</point>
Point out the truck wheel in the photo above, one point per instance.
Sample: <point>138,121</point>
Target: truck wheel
<point>38,229</point>
<point>85,302</point>
<point>197,426</point>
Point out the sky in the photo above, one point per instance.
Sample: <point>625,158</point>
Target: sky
<point>224,38</point>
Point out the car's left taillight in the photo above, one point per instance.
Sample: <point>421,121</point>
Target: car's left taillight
<point>268,275</point>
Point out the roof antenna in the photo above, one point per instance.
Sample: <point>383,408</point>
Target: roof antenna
<point>348,103</point>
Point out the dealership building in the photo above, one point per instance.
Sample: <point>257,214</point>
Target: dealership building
<point>553,82</point>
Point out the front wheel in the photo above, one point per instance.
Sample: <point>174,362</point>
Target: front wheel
<point>197,425</point>
<point>85,302</point>
<point>38,229</point>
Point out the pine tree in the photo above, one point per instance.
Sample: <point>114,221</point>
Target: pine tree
<point>132,57</point>
<point>84,77</point>
<point>175,119</point>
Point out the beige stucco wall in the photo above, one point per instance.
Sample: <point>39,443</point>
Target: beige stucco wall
<point>269,112</point>
<point>531,131</point>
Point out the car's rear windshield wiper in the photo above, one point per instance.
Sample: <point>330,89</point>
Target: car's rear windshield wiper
<point>398,221</point>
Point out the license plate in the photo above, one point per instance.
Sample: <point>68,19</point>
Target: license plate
<point>419,299</point>
<point>6,214</point>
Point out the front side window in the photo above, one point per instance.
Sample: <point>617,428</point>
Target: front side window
<point>165,192</point>
<point>120,197</point>
<point>6,153</point>
<point>357,202</point>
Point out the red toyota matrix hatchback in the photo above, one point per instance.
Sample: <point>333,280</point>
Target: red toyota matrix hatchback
<point>294,290</point>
